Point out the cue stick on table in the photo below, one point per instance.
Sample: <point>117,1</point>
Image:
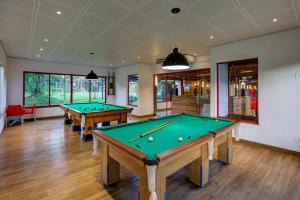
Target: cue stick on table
<point>155,129</point>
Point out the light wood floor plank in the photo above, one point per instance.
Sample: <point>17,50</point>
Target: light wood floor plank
<point>45,160</point>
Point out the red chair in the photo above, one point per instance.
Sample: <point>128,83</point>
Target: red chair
<point>29,110</point>
<point>15,113</point>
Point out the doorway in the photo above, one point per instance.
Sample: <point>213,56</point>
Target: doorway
<point>191,83</point>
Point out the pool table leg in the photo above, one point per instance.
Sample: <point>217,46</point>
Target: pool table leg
<point>95,146</point>
<point>67,119</point>
<point>87,124</point>
<point>76,124</point>
<point>123,119</point>
<point>225,149</point>
<point>160,185</point>
<point>110,169</point>
<point>199,169</point>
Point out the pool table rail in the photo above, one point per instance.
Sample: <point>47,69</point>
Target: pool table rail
<point>84,122</point>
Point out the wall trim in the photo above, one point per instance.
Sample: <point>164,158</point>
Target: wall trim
<point>45,118</point>
<point>273,148</point>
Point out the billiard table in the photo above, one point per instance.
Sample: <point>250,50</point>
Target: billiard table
<point>84,116</point>
<point>176,141</point>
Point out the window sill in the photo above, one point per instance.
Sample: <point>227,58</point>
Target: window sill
<point>241,120</point>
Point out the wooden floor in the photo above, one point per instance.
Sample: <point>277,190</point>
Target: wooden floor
<point>46,160</point>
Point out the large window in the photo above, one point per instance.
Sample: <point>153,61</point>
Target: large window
<point>98,90</point>
<point>36,89</point>
<point>133,89</point>
<point>45,89</point>
<point>81,89</point>
<point>60,90</point>
<point>238,90</point>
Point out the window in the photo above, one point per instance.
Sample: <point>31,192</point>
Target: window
<point>81,88</point>
<point>166,88</point>
<point>60,91</point>
<point>238,90</point>
<point>133,89</point>
<point>36,89</point>
<point>98,90</point>
<point>47,89</point>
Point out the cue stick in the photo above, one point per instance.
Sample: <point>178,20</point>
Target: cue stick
<point>155,129</point>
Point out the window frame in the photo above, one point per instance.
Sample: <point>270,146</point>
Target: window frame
<point>256,122</point>
<point>49,86</point>
<point>128,90</point>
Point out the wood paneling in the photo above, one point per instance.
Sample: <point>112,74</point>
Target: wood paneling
<point>46,160</point>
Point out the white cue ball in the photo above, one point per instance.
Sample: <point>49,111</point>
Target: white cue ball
<point>150,139</point>
<point>180,139</point>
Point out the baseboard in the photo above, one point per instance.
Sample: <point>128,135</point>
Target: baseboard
<point>277,149</point>
<point>44,118</point>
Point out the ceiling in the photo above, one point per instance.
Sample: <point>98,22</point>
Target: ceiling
<point>123,30</point>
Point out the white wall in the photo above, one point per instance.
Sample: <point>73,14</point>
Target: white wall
<point>145,102</point>
<point>121,97</point>
<point>15,69</point>
<point>3,63</point>
<point>278,90</point>
<point>223,89</point>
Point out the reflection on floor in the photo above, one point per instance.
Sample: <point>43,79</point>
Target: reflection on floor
<point>45,160</point>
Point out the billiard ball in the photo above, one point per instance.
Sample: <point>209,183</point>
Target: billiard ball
<point>138,146</point>
<point>189,137</point>
<point>150,139</point>
<point>180,139</point>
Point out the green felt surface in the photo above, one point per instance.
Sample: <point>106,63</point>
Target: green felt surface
<point>93,107</point>
<point>167,137</point>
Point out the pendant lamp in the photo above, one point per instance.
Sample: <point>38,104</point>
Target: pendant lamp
<point>175,60</point>
<point>92,76</point>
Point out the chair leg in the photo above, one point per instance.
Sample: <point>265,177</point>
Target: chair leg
<point>34,116</point>
<point>22,120</point>
<point>6,123</point>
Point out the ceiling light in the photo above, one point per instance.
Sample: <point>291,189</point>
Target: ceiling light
<point>211,37</point>
<point>123,61</point>
<point>138,57</point>
<point>275,20</point>
<point>41,49</point>
<point>38,55</point>
<point>91,76</point>
<point>46,40</point>
<point>58,12</point>
<point>175,60</point>
<point>111,65</point>
<point>195,54</point>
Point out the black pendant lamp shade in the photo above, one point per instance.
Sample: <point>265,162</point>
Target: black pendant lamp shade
<point>175,61</point>
<point>92,76</point>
